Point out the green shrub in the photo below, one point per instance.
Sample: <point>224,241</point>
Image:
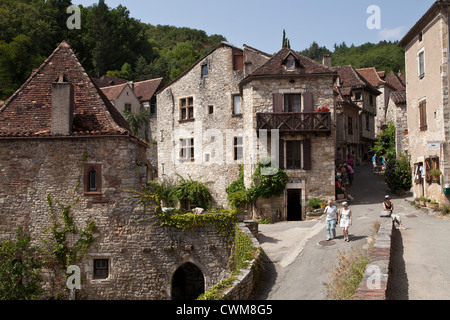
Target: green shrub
<point>398,174</point>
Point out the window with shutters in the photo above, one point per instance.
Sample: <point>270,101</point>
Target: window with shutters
<point>292,103</point>
<point>423,126</point>
<point>238,60</point>
<point>295,154</point>
<point>187,108</point>
<point>431,167</point>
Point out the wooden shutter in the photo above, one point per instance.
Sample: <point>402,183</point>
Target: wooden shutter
<point>308,101</point>
<point>423,115</point>
<point>278,103</point>
<point>307,159</point>
<point>281,154</point>
<point>427,170</point>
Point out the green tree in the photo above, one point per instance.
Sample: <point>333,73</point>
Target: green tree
<point>19,269</point>
<point>385,142</point>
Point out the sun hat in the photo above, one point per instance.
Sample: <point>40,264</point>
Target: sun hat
<point>345,204</point>
<point>387,197</point>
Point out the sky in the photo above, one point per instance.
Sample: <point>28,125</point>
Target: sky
<point>260,23</point>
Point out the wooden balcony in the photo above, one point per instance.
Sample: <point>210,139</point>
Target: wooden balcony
<point>304,122</point>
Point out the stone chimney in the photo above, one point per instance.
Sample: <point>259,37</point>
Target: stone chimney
<point>327,60</point>
<point>62,107</point>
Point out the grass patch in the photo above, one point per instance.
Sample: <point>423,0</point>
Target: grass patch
<point>349,272</point>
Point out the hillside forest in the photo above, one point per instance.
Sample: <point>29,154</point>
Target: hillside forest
<point>113,43</point>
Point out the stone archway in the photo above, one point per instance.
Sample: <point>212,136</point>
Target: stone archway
<point>188,282</point>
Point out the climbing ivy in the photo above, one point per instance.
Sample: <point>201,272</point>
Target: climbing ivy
<point>267,182</point>
<point>58,246</point>
<point>60,250</point>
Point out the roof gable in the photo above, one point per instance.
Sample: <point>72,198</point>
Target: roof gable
<point>305,66</point>
<point>28,111</point>
<point>350,78</point>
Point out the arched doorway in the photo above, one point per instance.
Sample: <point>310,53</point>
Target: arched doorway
<point>188,282</point>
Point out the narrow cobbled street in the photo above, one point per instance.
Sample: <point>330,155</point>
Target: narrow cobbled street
<point>298,260</point>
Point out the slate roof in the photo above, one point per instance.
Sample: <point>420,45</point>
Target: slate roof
<point>275,67</point>
<point>27,113</point>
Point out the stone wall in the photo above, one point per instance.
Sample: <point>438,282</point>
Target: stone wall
<point>376,277</point>
<point>142,256</point>
<point>243,287</point>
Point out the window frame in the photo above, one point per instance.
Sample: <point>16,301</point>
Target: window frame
<point>289,102</point>
<point>187,150</point>
<point>187,109</point>
<point>238,147</point>
<point>421,63</point>
<point>88,169</point>
<point>233,98</point>
<point>96,270</point>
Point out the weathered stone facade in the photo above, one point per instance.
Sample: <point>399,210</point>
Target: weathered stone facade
<point>213,126</point>
<point>225,135</point>
<point>90,168</point>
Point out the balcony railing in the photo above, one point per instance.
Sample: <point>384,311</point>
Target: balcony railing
<point>295,122</point>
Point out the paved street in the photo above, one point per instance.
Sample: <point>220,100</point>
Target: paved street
<point>298,263</point>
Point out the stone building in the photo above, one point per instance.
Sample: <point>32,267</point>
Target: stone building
<point>427,94</point>
<point>228,108</point>
<point>63,142</point>
<point>354,87</point>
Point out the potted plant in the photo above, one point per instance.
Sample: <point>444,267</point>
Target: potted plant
<point>433,205</point>
<point>435,174</point>
<point>323,109</point>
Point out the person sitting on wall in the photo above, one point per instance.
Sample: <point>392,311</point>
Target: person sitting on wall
<point>388,206</point>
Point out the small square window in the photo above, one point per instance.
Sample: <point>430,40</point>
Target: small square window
<point>210,109</point>
<point>101,269</point>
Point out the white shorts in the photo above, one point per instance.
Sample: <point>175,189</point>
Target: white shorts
<point>345,223</point>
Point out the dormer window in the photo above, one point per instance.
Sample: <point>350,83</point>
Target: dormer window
<point>290,63</point>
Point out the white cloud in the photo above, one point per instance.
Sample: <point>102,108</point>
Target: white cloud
<point>392,34</point>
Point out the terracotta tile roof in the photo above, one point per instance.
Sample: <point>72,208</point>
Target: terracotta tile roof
<point>145,90</point>
<point>351,79</point>
<point>304,66</point>
<point>373,77</point>
<point>27,113</point>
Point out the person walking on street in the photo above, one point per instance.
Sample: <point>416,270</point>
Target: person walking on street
<point>389,207</point>
<point>331,214</point>
<point>345,218</point>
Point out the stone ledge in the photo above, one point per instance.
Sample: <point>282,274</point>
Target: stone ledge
<point>376,276</point>
<point>242,287</point>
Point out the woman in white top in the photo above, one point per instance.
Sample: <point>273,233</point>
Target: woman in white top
<point>345,217</point>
